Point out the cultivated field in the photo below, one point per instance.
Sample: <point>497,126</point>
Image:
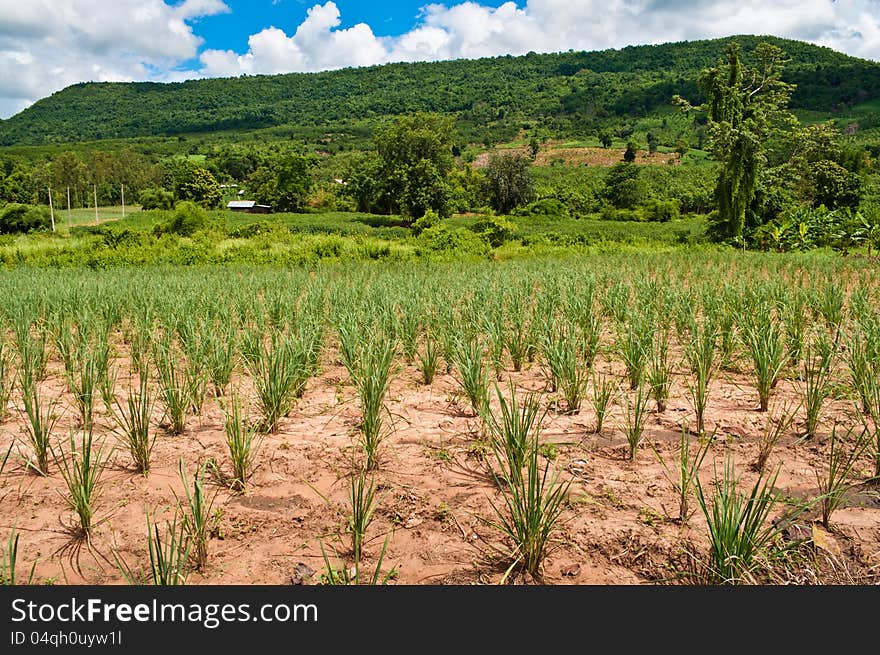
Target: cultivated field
<point>685,417</point>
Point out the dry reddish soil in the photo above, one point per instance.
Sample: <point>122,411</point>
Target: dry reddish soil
<point>552,153</point>
<point>435,494</point>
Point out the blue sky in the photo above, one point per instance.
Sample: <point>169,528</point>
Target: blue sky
<point>46,45</point>
<point>231,31</point>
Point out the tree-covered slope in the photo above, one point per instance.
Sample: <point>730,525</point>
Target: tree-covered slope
<point>558,89</point>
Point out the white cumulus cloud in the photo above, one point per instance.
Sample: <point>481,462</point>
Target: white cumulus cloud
<point>469,29</point>
<point>46,45</point>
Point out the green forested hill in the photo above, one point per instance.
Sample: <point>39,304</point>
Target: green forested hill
<point>569,92</point>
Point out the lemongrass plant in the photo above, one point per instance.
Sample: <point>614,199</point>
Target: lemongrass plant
<point>372,382</point>
<point>81,468</point>
<point>763,340</point>
<point>242,443</point>
<point>41,420</point>
<point>196,513</point>
<point>132,420</point>
<point>839,474</point>
<point>634,417</point>
<point>604,389</point>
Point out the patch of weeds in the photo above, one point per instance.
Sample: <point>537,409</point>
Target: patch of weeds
<point>650,517</point>
<point>549,451</point>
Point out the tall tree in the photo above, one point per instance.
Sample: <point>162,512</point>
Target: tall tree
<point>508,183</point>
<point>745,106</point>
<point>415,154</point>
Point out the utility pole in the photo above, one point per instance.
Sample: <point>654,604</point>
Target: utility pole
<point>68,209</point>
<point>95,192</point>
<point>123,201</point>
<point>51,209</point>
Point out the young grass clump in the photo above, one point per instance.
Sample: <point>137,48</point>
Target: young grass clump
<point>604,389</point>
<point>428,360</point>
<point>279,371</point>
<point>6,380</point>
<point>242,443</point>
<point>684,478</point>
<point>372,382</point>
<point>700,355</point>
<point>362,503</point>
<point>765,345</point>
<point>196,514</point>
<point>221,355</point>
<point>837,478</point>
<point>534,500</point>
<point>816,377</point>
<point>41,420</point>
<point>777,424</point>
<point>9,561</point>
<point>173,383</point>
<point>634,416</point>
<point>83,382</point>
<point>81,467</point>
<point>568,373</point>
<point>510,430</point>
<point>660,371</point>
<point>472,374</point>
<point>739,530</point>
<point>133,424</point>
<point>169,555</point>
<point>634,346</point>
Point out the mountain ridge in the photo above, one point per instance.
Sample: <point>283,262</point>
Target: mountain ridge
<point>562,88</point>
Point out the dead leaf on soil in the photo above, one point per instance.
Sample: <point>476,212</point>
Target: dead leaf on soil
<point>301,573</point>
<point>824,541</point>
<point>571,571</point>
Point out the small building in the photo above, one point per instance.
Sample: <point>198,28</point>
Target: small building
<point>248,206</point>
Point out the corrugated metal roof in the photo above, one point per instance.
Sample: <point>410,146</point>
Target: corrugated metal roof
<point>241,204</point>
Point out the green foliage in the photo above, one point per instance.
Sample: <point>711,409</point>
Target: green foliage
<point>21,219</point>
<point>739,529</point>
<point>156,198</point>
<point>744,106</point>
<point>833,186</point>
<point>283,183</point>
<point>188,218</point>
<point>508,182</point>
<point>444,239</point>
<point>195,183</point>
<point>623,186</point>
<point>574,91</point>
<point>494,229</point>
<point>661,211</point>
<point>415,157</point>
<point>428,220</point>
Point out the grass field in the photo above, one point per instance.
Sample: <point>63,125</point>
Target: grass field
<point>598,419</point>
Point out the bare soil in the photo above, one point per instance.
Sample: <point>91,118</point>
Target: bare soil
<point>435,492</point>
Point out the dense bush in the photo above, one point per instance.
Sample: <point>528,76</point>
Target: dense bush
<point>21,219</point>
<point>494,229</point>
<point>660,210</point>
<point>156,198</point>
<point>428,220</point>
<point>188,218</point>
<point>445,240</point>
<point>544,207</point>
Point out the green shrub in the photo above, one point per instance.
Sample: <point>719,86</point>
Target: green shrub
<point>543,207</point>
<point>156,198</point>
<point>494,229</point>
<point>443,239</point>
<point>428,220</point>
<point>188,218</point>
<point>21,219</point>
<point>660,211</point>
